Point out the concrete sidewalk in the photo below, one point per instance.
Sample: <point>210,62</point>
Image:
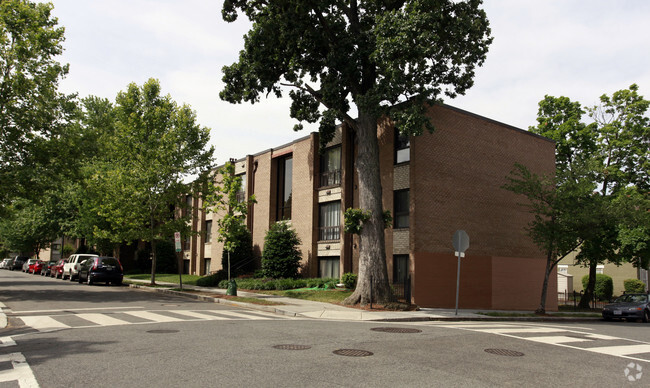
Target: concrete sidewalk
<point>319,310</point>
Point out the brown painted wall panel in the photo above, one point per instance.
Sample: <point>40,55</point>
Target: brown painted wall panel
<point>518,284</point>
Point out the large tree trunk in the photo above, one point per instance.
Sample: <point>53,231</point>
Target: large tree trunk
<point>589,292</point>
<point>372,247</point>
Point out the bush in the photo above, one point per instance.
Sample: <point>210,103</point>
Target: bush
<point>633,286</point>
<point>241,258</point>
<point>350,280</point>
<point>166,259</point>
<point>281,284</point>
<point>604,287</point>
<point>213,280</point>
<point>281,257</point>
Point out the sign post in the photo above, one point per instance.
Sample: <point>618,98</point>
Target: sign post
<point>460,241</point>
<point>177,243</point>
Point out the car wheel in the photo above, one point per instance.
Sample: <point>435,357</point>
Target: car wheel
<point>72,279</point>
<point>646,316</point>
<point>89,280</point>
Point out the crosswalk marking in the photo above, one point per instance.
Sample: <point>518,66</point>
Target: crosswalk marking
<point>239,315</point>
<point>20,372</point>
<point>194,314</point>
<point>46,323</point>
<point>557,339</point>
<point>625,350</point>
<point>6,341</point>
<point>152,316</point>
<point>571,337</point>
<point>43,323</point>
<point>102,319</point>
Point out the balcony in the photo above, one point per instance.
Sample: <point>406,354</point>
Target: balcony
<point>329,233</point>
<point>330,178</point>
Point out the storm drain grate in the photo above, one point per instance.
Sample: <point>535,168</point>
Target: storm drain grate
<point>352,353</point>
<point>504,352</point>
<point>162,331</point>
<point>292,347</point>
<point>396,330</point>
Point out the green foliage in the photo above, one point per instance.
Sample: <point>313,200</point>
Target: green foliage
<point>213,280</point>
<point>29,227</point>
<point>354,219</point>
<point>350,280</point>
<point>604,286</point>
<point>281,284</point>
<point>633,286</point>
<point>35,119</point>
<point>166,259</point>
<point>241,257</point>
<point>281,257</point>
<point>67,250</point>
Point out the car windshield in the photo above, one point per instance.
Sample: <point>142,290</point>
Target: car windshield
<point>110,261</point>
<point>633,299</point>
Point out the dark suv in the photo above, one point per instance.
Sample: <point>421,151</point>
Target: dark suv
<point>18,262</point>
<point>101,269</point>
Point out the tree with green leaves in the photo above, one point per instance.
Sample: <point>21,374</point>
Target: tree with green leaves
<point>29,227</point>
<point>34,116</point>
<point>281,256</point>
<point>387,58</point>
<point>137,177</point>
<point>221,198</point>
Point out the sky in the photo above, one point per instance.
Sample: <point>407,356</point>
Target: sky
<point>580,49</point>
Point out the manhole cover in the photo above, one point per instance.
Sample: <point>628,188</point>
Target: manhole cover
<point>292,347</point>
<point>162,331</point>
<point>396,330</point>
<point>504,352</point>
<point>352,352</point>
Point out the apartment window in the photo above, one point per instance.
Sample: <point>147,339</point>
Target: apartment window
<point>208,261</point>
<point>401,209</point>
<point>188,243</point>
<point>330,167</point>
<point>208,231</point>
<point>600,268</point>
<point>400,268</point>
<point>241,193</point>
<point>188,203</point>
<point>285,171</point>
<point>402,147</point>
<point>328,266</point>
<point>329,221</point>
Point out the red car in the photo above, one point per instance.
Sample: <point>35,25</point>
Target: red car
<point>57,270</point>
<point>36,268</point>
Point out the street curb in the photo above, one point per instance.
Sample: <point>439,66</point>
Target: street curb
<point>280,311</point>
<point>252,306</point>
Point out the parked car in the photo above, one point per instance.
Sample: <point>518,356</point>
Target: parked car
<point>18,262</point>
<point>71,266</point>
<point>6,263</point>
<point>28,264</point>
<point>47,268</point>
<point>101,269</point>
<point>57,269</point>
<point>36,268</point>
<point>629,306</point>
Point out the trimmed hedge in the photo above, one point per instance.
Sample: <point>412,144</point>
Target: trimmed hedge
<point>604,287</point>
<point>213,280</point>
<point>281,284</point>
<point>633,286</point>
<point>350,280</point>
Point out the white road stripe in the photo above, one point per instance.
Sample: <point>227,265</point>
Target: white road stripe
<point>43,323</point>
<point>20,372</point>
<point>72,310</point>
<point>623,350</point>
<point>239,315</point>
<point>557,339</point>
<point>520,330</point>
<point>152,316</point>
<point>102,319</point>
<point>6,341</point>
<point>194,314</point>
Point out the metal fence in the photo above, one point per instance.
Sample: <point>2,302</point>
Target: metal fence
<point>573,299</point>
<point>401,290</point>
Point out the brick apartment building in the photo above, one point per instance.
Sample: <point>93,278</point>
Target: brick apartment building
<point>433,184</point>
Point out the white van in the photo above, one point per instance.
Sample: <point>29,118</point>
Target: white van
<point>71,266</point>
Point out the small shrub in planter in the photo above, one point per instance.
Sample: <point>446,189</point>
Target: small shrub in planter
<point>633,286</point>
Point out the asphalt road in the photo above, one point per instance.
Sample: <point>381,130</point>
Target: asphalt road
<point>72,335</point>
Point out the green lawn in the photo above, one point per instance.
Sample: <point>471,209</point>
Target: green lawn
<point>165,277</point>
<point>327,296</point>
